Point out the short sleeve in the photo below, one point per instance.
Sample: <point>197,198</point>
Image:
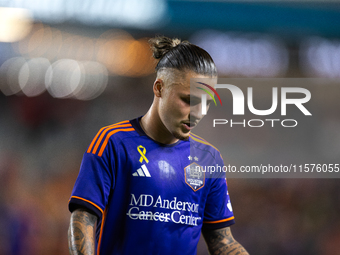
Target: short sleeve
<point>218,211</point>
<point>93,185</point>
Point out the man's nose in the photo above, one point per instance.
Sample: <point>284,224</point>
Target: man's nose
<point>196,112</point>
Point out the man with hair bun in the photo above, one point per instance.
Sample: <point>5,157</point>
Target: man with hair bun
<point>140,189</point>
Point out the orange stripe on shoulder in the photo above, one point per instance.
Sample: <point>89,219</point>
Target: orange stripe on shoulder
<point>88,201</point>
<point>100,131</point>
<point>219,221</point>
<point>202,141</point>
<point>196,136</point>
<point>105,132</point>
<point>100,153</point>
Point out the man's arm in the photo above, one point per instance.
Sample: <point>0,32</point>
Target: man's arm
<point>221,242</point>
<point>81,233</point>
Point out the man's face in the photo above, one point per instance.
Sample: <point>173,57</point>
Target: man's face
<point>180,106</point>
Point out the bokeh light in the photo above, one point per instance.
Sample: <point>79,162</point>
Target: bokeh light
<point>247,55</point>
<point>68,78</point>
<point>320,57</point>
<point>63,77</point>
<point>32,76</point>
<point>123,55</point>
<point>15,24</point>
<point>116,49</point>
<point>10,71</point>
<point>95,79</point>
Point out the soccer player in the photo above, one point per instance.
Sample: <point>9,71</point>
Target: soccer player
<point>141,188</point>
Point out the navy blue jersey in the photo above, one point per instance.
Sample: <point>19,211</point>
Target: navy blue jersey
<point>149,197</point>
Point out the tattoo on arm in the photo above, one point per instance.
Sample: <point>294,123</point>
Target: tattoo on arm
<point>221,242</point>
<point>81,233</point>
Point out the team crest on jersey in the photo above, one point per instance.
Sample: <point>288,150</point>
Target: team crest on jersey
<point>194,176</point>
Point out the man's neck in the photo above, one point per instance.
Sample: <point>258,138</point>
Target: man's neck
<point>154,128</point>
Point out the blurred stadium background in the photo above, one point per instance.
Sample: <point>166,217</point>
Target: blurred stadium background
<point>68,68</point>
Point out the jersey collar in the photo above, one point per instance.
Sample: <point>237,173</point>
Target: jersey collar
<point>136,125</point>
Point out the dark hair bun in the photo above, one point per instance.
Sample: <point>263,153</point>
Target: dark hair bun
<point>174,54</point>
<point>161,45</point>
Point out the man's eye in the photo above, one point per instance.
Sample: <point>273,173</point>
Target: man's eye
<point>186,100</point>
<point>194,102</point>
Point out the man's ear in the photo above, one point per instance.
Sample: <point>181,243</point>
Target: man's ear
<point>158,87</point>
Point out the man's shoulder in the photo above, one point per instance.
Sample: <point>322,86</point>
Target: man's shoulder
<point>119,129</point>
<point>117,132</point>
<point>201,143</point>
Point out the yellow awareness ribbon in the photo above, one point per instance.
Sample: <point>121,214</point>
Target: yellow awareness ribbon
<point>142,154</point>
